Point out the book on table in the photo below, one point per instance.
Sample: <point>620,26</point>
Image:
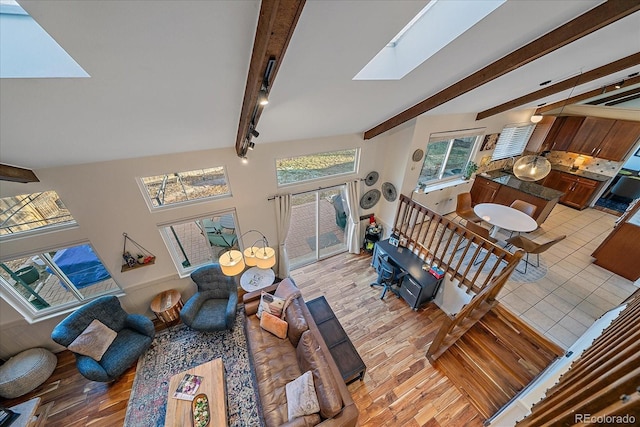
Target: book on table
<point>188,387</point>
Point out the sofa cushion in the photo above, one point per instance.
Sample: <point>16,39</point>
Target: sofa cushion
<point>94,340</point>
<point>275,364</point>
<point>304,421</point>
<point>288,291</point>
<point>273,324</point>
<point>270,304</point>
<point>296,320</point>
<point>311,358</point>
<point>301,397</point>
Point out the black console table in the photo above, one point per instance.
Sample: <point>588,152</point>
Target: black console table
<point>418,286</point>
<point>340,346</point>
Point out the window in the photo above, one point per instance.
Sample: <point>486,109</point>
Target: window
<point>447,156</point>
<point>43,284</point>
<point>181,187</point>
<point>36,211</point>
<point>512,141</point>
<point>201,240</point>
<point>316,166</point>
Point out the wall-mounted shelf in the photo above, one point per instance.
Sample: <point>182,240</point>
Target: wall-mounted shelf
<point>132,260</point>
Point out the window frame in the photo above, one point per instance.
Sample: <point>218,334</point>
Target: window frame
<point>28,312</point>
<point>356,167</point>
<point>451,137</point>
<point>152,208</point>
<point>177,257</point>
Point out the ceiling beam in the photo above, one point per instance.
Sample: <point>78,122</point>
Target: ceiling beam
<point>276,22</point>
<point>16,174</point>
<point>590,21</point>
<point>589,76</point>
<point>615,97</point>
<point>586,95</point>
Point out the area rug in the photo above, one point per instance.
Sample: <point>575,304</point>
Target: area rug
<point>180,348</point>
<point>325,240</point>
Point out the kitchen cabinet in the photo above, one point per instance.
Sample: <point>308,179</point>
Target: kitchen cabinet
<point>615,253</point>
<point>562,133</point>
<point>483,190</point>
<point>620,139</point>
<point>590,135</point>
<point>577,190</point>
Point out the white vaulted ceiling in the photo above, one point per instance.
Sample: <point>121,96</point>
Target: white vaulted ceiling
<point>169,76</point>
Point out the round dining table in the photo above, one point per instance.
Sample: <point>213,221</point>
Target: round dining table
<point>501,216</point>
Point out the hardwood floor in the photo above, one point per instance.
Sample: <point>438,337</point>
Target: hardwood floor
<point>400,386</point>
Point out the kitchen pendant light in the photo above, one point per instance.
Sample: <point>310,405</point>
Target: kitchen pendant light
<point>531,168</point>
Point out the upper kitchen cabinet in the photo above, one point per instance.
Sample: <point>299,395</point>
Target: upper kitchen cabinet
<point>562,133</point>
<point>589,137</point>
<point>593,136</point>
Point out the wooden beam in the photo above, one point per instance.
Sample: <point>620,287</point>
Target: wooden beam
<point>589,76</point>
<point>16,174</point>
<point>593,20</point>
<point>276,22</point>
<point>586,95</point>
<point>621,96</point>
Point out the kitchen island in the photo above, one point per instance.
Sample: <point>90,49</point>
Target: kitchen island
<point>504,188</point>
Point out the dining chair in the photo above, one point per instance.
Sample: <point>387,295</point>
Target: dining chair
<point>523,206</point>
<point>482,232</point>
<point>531,247</point>
<point>464,208</point>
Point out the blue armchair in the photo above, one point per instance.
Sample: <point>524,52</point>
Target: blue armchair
<point>134,335</point>
<point>213,307</point>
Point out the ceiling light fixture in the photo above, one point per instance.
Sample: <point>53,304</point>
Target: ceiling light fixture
<point>254,132</point>
<point>536,118</point>
<point>251,145</point>
<point>619,85</point>
<point>263,97</point>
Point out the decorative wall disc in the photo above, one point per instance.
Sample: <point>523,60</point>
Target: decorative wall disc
<point>371,178</point>
<point>417,155</point>
<point>369,199</point>
<point>389,191</point>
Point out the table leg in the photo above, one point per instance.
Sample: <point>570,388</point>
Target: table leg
<point>494,231</point>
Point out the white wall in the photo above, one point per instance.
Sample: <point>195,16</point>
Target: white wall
<point>106,201</point>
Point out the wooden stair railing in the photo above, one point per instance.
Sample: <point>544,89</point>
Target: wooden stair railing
<point>438,240</point>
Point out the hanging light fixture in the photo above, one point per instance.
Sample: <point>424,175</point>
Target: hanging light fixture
<point>531,168</point>
<point>233,261</point>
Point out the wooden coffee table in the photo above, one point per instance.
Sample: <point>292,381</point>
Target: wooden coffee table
<point>213,385</point>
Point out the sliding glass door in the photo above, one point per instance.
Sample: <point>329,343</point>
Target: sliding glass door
<point>318,222</point>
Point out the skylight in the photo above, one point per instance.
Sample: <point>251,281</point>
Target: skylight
<point>28,51</point>
<point>434,27</point>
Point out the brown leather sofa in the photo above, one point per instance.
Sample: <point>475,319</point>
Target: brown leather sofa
<point>279,361</point>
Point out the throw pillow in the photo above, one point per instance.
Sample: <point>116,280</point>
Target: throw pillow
<point>273,324</point>
<point>301,396</point>
<point>288,291</point>
<point>270,304</point>
<point>94,340</point>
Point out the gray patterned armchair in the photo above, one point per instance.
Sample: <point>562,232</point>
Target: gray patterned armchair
<point>213,307</point>
<point>135,333</point>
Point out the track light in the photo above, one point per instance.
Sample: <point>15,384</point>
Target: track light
<point>619,85</point>
<point>251,145</point>
<point>263,97</point>
<point>244,159</point>
<point>254,132</point>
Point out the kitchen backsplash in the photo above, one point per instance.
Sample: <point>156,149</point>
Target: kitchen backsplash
<point>591,164</point>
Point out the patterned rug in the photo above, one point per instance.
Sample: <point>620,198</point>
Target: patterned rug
<point>180,348</point>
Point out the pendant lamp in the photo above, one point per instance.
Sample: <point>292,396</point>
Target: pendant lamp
<point>531,168</point>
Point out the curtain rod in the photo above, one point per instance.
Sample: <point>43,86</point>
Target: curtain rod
<point>316,189</point>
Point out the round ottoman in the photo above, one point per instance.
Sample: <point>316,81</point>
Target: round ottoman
<point>26,371</point>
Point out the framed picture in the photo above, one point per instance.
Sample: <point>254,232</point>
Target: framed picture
<point>393,240</point>
<point>489,142</point>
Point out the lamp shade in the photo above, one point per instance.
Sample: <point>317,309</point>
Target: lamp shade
<point>250,256</point>
<point>265,257</point>
<point>531,168</point>
<point>231,263</point>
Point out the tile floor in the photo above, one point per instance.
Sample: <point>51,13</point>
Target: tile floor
<point>574,292</point>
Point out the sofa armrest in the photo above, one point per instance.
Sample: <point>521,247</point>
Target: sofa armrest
<point>91,369</point>
<point>141,324</point>
<point>347,418</point>
<point>255,295</point>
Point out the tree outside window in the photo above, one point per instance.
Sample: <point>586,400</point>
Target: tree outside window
<point>446,158</point>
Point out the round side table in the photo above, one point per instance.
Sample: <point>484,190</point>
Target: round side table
<point>257,278</point>
<point>166,306</point>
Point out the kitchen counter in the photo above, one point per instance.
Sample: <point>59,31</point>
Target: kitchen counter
<point>531,188</point>
<point>585,174</point>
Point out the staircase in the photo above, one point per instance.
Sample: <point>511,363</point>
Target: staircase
<point>495,359</point>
